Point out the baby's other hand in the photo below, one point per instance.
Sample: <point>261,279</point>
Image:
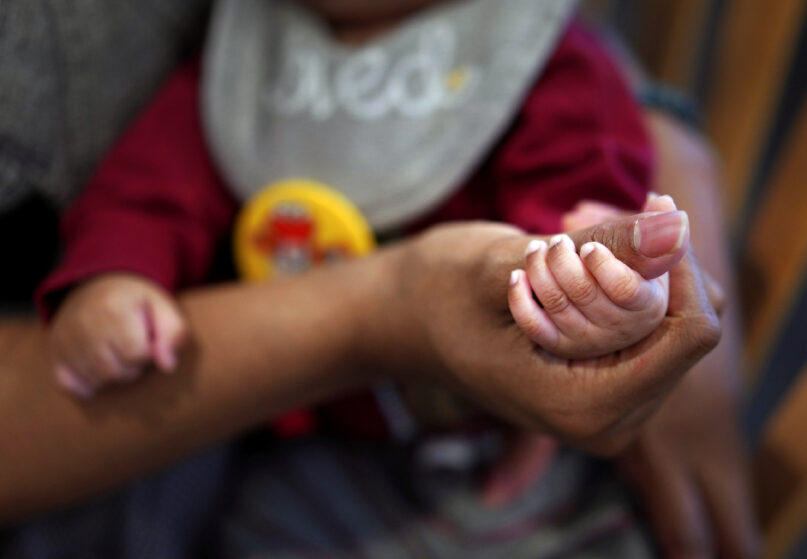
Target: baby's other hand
<point>110,328</point>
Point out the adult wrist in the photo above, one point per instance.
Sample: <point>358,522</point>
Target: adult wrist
<point>381,310</point>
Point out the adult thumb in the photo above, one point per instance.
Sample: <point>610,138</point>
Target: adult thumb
<point>651,243</point>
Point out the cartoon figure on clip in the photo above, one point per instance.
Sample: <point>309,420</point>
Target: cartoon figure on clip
<point>288,240</point>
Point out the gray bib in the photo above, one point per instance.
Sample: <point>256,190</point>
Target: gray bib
<point>395,125</point>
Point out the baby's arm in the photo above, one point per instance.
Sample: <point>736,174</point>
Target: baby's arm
<point>147,224</point>
<point>591,304</point>
<point>109,328</point>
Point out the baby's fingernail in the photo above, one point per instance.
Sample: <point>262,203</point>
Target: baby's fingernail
<point>660,234</point>
<point>515,275</point>
<point>534,246</point>
<point>557,239</point>
<point>660,204</point>
<point>669,199</point>
<point>665,203</point>
<point>73,384</point>
<point>587,249</point>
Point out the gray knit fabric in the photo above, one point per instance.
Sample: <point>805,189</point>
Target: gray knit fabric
<point>322,498</point>
<point>72,75</point>
<point>395,125</point>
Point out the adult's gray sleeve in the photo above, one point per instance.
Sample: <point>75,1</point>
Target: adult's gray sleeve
<point>72,75</point>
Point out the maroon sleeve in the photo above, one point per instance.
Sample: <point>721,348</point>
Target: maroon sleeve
<point>579,135</point>
<point>154,207</point>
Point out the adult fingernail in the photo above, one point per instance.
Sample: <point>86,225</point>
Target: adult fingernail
<point>660,234</point>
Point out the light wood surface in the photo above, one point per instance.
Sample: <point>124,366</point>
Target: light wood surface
<point>755,48</point>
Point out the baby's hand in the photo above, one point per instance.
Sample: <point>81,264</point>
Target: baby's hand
<point>110,328</point>
<point>591,305</point>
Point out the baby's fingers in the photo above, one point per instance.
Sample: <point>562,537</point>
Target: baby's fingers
<point>623,286</point>
<point>531,318</point>
<point>72,370</point>
<point>167,332</point>
<point>583,289</point>
<point>101,365</point>
<point>71,382</point>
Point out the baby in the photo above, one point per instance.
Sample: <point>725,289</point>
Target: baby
<point>471,110</point>
<point>585,305</point>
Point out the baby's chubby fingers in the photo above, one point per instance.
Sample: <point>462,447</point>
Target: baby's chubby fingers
<point>106,364</point>
<point>530,318</point>
<point>130,341</point>
<point>72,383</point>
<point>570,274</point>
<point>581,287</point>
<point>167,331</point>
<point>72,370</point>
<point>622,285</point>
<point>560,308</point>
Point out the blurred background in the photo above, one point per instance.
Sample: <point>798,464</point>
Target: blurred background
<point>745,63</point>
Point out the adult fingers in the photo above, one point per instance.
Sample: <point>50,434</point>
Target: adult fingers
<point>588,213</point>
<point>650,243</point>
<point>717,296</point>
<point>691,328</point>
<point>648,370</point>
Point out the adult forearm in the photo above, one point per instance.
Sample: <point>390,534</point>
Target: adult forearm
<point>435,305</point>
<point>688,171</point>
<point>256,351</point>
<point>694,443</point>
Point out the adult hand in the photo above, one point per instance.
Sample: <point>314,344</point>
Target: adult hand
<point>435,305</point>
<point>452,293</point>
<point>688,463</point>
<point>528,455</point>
